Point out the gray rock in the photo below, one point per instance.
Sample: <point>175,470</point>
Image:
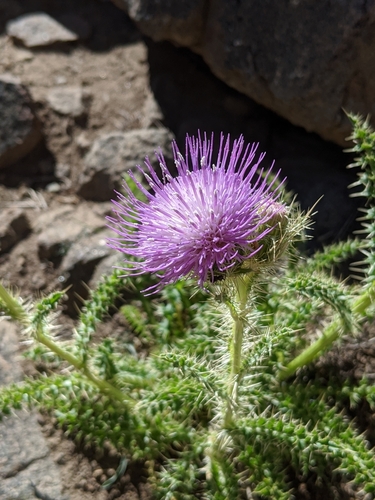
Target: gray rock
<point>303,59</point>
<point>41,479</point>
<point>106,267</point>
<point>62,227</point>
<point>10,370</point>
<point>20,130</point>
<point>74,239</point>
<point>17,455</point>
<point>14,226</point>
<point>66,100</point>
<point>49,218</point>
<point>152,115</point>
<point>78,267</point>
<point>85,252</point>
<point>62,171</point>
<point>21,55</point>
<point>39,29</point>
<point>53,187</point>
<point>113,154</point>
<point>27,471</point>
<point>83,142</point>
<point>54,242</point>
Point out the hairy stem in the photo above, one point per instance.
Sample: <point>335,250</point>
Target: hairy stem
<point>330,334</point>
<point>17,312</point>
<point>236,347</point>
<point>13,307</point>
<point>104,386</point>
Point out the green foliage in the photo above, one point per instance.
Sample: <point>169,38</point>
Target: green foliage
<point>179,392</point>
<point>95,310</point>
<point>363,137</point>
<point>334,254</point>
<point>159,392</point>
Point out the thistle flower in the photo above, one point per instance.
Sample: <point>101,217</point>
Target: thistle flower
<point>204,223</point>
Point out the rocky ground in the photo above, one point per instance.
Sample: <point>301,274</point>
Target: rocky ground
<point>82,101</point>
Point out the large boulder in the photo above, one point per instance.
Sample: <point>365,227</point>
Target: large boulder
<point>305,60</point>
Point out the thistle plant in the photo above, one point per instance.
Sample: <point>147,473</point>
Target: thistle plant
<point>218,222</point>
<point>222,400</point>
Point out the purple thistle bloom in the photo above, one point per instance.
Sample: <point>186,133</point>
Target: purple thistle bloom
<point>203,223</point>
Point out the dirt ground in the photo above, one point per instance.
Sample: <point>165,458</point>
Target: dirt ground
<point>121,73</point>
<point>83,471</point>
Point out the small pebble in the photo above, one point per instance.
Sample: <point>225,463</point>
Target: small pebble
<point>53,187</point>
<point>81,484</point>
<point>97,473</point>
<point>41,420</point>
<point>90,487</point>
<point>113,453</point>
<point>60,80</point>
<point>49,430</point>
<point>124,480</point>
<point>23,55</point>
<point>111,472</point>
<point>114,493</point>
<point>66,100</point>
<point>60,459</point>
<point>62,170</point>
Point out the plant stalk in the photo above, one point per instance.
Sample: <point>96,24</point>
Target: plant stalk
<point>18,313</point>
<point>236,347</point>
<point>104,386</point>
<point>13,307</point>
<point>330,334</point>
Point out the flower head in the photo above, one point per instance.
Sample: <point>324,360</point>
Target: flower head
<point>206,222</point>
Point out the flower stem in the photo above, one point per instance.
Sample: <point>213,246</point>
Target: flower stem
<point>236,347</point>
<point>13,307</point>
<point>18,313</point>
<point>104,386</point>
<point>330,334</point>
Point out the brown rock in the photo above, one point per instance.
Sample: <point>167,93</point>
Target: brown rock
<point>79,265</point>
<point>114,154</point>
<point>66,100</point>
<point>20,130</point>
<point>14,226</point>
<point>60,228</point>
